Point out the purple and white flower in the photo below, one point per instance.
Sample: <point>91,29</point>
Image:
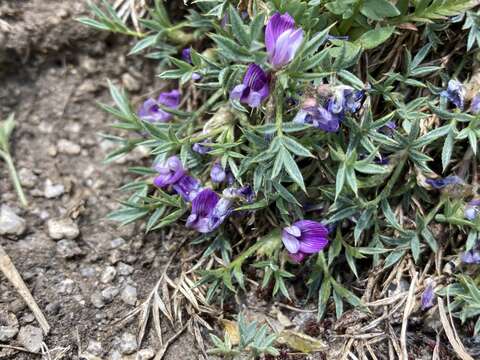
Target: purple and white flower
<point>443,182</point>
<point>428,296</point>
<point>201,148</point>
<point>282,40</point>
<point>304,237</point>
<point>150,110</point>
<point>472,209</point>
<point>319,117</point>
<point>455,93</point>
<point>475,104</point>
<point>246,193</point>
<point>346,99</point>
<point>255,87</point>
<point>471,257</point>
<point>169,172</point>
<point>187,187</point>
<point>208,211</point>
<point>218,173</point>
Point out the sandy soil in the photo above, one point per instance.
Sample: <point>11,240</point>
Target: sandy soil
<point>52,71</point>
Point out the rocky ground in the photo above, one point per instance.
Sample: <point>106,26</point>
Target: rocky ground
<point>84,272</point>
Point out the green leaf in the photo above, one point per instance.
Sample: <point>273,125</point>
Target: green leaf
<point>376,37</point>
<point>293,170</point>
<point>295,147</point>
<point>379,9</point>
<point>238,29</point>
<point>340,180</point>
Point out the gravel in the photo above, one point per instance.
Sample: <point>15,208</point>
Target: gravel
<point>109,293</point>
<point>8,326</point>
<point>68,249</point>
<point>128,343</point>
<point>129,295</point>
<point>108,274</point>
<point>62,228</point>
<point>95,347</point>
<point>124,269</point>
<point>51,190</point>
<point>11,223</point>
<point>68,147</point>
<point>27,178</point>
<point>97,300</point>
<point>31,337</point>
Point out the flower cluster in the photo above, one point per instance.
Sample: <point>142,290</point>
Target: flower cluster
<point>209,210</point>
<point>327,117</point>
<point>282,41</point>
<point>151,111</point>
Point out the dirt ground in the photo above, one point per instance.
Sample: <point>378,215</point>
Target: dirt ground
<point>52,72</point>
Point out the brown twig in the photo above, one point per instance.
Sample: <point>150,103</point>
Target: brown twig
<point>11,273</point>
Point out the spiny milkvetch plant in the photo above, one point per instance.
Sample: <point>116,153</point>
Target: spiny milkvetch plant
<point>307,137</point>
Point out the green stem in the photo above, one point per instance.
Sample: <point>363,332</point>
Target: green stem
<point>14,176</point>
<point>278,108</point>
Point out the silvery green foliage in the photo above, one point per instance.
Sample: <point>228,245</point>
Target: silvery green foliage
<point>367,181</point>
<point>254,341</point>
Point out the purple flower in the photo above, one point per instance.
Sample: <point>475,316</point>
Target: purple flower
<point>220,212</point>
<point>475,104</point>
<point>472,209</point>
<point>170,172</point>
<point>428,296</point>
<point>187,187</point>
<point>245,192</point>
<point>471,257</point>
<point>441,183</point>
<point>201,148</point>
<point>186,55</point>
<point>282,40</point>
<point>151,111</point>
<point>319,117</point>
<point>202,206</point>
<point>455,93</point>
<point>208,211</point>
<point>255,87</point>
<point>304,237</point>
<point>218,173</point>
<point>346,99</point>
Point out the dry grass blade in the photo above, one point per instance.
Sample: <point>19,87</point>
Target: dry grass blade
<point>11,273</point>
<point>156,317</point>
<point>165,306</point>
<point>164,348</point>
<point>452,338</point>
<point>142,322</point>
<point>406,314</point>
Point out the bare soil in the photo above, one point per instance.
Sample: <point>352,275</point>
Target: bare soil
<point>53,70</point>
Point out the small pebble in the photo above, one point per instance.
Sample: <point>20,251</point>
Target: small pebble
<point>8,326</point>
<point>129,295</point>
<point>124,269</point>
<point>130,83</point>
<point>108,274</point>
<point>95,347</point>
<point>51,190</point>
<point>128,343</point>
<point>66,286</point>
<point>11,223</point>
<point>68,147</point>
<point>145,354</point>
<point>62,228</point>
<point>109,293</point>
<point>97,300</point>
<point>27,178</point>
<point>117,242</point>
<point>31,337</point>
<point>68,249</point>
